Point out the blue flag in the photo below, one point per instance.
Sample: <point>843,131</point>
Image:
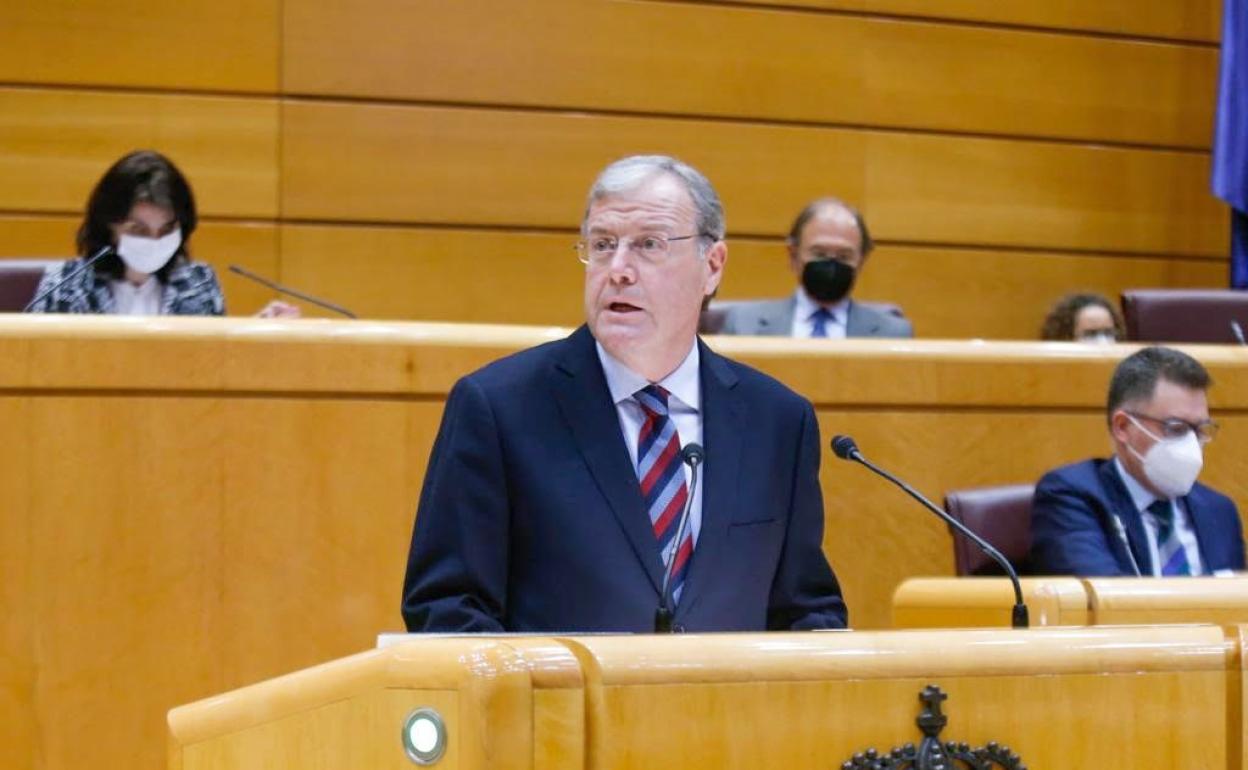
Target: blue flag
<point>1230,135</point>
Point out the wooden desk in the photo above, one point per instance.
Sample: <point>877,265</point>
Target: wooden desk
<point>1138,698</point>
<point>192,490</point>
<point>1069,601</point>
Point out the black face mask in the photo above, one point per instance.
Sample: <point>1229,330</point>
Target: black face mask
<point>827,280</point>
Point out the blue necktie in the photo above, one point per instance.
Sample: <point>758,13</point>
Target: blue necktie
<point>1170,551</point>
<point>820,318</point>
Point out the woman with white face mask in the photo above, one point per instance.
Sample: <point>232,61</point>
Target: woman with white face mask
<point>140,218</point>
<point>144,210</point>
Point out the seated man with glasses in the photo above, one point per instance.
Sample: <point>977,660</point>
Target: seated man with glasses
<point>564,493</point>
<point>1141,512</point>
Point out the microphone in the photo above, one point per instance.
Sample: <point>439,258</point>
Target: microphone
<point>88,262</point>
<point>277,287</point>
<point>1238,331</point>
<point>692,454</point>
<point>1122,535</point>
<point>845,448</point>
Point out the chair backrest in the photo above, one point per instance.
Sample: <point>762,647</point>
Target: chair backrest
<point>1184,315</point>
<point>716,313</point>
<point>18,280</point>
<point>1000,515</point>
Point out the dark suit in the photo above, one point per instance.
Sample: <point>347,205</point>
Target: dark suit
<point>1073,533</point>
<point>532,519</point>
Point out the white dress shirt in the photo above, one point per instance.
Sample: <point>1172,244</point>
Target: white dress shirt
<point>804,326</point>
<point>1141,498</point>
<point>684,406</point>
<point>129,299</point>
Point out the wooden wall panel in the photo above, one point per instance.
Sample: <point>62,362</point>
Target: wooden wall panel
<point>1057,196</point>
<point>350,530</point>
<point>700,59</point>
<point>194,44</point>
<point>58,143</point>
<point>982,79</point>
<point>446,165</point>
<point>1190,20</point>
<point>19,724</point>
<point>220,244</point>
<point>490,276</point>
<point>439,275</point>
<point>32,236</point>
<point>252,247</point>
<point>98,655</point>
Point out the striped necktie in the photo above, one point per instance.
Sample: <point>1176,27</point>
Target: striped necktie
<point>1171,556</point>
<point>662,477</point>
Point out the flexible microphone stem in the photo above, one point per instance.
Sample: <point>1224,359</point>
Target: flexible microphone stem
<point>277,287</point>
<point>1126,542</point>
<point>1019,616</point>
<point>88,262</point>
<point>1238,331</point>
<point>692,455</point>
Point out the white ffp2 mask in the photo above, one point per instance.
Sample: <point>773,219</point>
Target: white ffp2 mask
<point>1171,464</point>
<point>147,255</point>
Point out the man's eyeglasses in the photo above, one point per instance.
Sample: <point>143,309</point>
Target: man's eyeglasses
<point>653,247</point>
<point>1173,427</point>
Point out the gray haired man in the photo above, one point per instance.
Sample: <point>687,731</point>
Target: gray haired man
<point>556,498</point>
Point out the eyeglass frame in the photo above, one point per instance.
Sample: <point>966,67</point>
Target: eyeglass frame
<point>582,246</point>
<point>1205,431</point>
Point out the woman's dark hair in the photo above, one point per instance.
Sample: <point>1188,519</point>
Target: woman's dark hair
<point>144,176</point>
<point>1059,324</point>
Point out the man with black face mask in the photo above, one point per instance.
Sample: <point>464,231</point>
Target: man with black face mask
<point>1141,511</point>
<point>828,246</point>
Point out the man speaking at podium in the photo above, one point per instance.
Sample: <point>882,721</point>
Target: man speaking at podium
<point>556,499</point>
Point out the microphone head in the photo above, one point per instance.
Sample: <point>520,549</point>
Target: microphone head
<point>693,454</point>
<point>844,447</point>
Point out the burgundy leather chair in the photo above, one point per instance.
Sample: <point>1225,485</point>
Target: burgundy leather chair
<point>18,280</point>
<point>715,314</point>
<point>1000,515</point>
<point>1184,315</point>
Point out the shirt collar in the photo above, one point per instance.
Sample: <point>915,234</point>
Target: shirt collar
<point>806,307</point>
<point>683,383</point>
<point>1141,498</point>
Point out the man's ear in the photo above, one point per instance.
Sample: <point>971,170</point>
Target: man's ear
<point>794,261</point>
<point>716,259</point>
<point>1118,423</point>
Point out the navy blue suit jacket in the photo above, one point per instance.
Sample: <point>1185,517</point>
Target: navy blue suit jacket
<point>1073,534</point>
<point>531,517</point>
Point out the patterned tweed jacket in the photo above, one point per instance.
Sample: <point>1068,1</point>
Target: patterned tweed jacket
<point>192,289</point>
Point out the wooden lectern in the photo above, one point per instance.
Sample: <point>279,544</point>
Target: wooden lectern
<point>1106,698</point>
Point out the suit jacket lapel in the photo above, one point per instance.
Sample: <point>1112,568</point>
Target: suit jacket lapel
<point>1205,530</point>
<point>860,324</point>
<point>1120,502</point>
<point>723,424</point>
<point>583,398</point>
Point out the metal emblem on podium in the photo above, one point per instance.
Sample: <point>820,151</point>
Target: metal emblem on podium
<point>931,753</point>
